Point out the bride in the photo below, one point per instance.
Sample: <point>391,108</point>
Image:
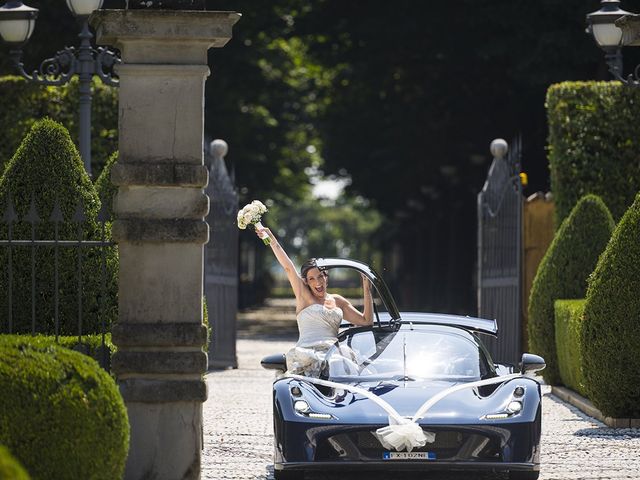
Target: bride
<point>318,312</point>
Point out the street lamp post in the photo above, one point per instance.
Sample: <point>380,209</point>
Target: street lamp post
<point>610,27</point>
<point>17,22</point>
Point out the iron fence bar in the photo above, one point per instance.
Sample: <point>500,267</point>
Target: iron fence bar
<point>33,278</point>
<point>10,231</point>
<point>103,296</point>
<point>55,282</point>
<point>79,285</point>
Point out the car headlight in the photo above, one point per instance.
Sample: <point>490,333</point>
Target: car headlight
<point>301,406</point>
<point>514,406</point>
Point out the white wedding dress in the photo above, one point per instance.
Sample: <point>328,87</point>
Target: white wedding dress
<point>318,327</point>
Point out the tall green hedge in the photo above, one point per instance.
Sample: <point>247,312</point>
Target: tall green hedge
<point>47,167</point>
<point>22,103</point>
<point>563,273</point>
<point>593,144</point>
<point>611,333</point>
<point>107,190</point>
<point>10,468</point>
<point>568,316</point>
<point>61,415</point>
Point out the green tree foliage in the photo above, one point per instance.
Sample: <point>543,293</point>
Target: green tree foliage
<point>61,415</point>
<point>593,144</point>
<point>563,273</point>
<point>10,468</point>
<point>611,350</point>
<point>47,169</point>
<point>373,93</point>
<point>313,228</point>
<point>569,316</point>
<point>406,116</point>
<point>23,103</point>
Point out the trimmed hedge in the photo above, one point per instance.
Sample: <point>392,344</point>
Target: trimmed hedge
<point>107,190</point>
<point>47,167</point>
<point>22,103</point>
<point>568,316</point>
<point>91,344</point>
<point>563,273</point>
<point>611,331</point>
<point>10,468</point>
<point>61,415</point>
<point>593,144</point>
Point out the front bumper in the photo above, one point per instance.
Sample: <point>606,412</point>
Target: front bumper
<point>469,447</point>
<point>405,465</point>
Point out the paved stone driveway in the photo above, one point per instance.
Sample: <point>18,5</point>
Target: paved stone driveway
<point>238,430</point>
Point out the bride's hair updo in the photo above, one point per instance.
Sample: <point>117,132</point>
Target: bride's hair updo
<point>308,265</point>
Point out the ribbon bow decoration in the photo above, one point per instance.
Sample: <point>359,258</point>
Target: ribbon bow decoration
<point>404,435</point>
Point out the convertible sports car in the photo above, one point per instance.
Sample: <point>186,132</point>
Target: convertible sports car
<point>415,391</point>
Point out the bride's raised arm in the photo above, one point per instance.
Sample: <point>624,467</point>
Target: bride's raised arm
<point>283,259</point>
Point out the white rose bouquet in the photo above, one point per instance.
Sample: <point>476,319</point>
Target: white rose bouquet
<point>251,214</point>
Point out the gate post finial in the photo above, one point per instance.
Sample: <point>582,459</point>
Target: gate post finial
<point>499,148</point>
<point>219,148</point>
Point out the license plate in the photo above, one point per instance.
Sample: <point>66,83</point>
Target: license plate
<point>409,456</point>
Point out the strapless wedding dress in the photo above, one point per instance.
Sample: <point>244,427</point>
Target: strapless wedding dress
<point>318,327</point>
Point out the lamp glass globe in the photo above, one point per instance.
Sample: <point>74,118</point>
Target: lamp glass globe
<point>607,34</point>
<point>82,8</point>
<point>17,31</point>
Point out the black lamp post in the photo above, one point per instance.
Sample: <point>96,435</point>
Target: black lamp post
<point>605,26</point>
<point>17,22</point>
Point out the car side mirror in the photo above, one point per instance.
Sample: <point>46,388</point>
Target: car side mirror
<point>531,363</point>
<point>274,362</point>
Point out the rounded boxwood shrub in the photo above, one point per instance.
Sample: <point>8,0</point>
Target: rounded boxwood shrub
<point>611,330</point>
<point>10,468</point>
<point>61,415</point>
<point>569,315</point>
<point>47,168</point>
<point>563,273</point>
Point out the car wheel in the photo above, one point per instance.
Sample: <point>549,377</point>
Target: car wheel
<point>288,475</point>
<point>514,475</point>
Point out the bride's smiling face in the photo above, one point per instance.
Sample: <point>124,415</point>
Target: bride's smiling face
<point>317,282</point>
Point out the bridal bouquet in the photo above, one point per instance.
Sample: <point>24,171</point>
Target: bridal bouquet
<point>251,214</point>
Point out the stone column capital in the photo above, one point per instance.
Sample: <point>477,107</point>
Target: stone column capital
<point>163,36</point>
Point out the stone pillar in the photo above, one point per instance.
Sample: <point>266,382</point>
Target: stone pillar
<point>160,230</point>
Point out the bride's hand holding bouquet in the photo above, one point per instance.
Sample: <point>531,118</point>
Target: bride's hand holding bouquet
<point>251,214</point>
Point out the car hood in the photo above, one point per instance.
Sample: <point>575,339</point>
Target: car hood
<point>406,397</point>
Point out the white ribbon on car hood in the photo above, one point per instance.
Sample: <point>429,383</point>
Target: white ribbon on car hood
<point>403,433</point>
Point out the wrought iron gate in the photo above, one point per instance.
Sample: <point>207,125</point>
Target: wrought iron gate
<point>221,260</point>
<point>500,250</point>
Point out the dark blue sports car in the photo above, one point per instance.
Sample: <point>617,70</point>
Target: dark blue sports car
<point>415,391</point>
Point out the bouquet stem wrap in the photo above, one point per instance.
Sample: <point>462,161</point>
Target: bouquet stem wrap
<point>265,238</point>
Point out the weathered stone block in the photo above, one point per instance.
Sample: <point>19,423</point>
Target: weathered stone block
<point>167,4</point>
<point>162,362</point>
<point>163,174</point>
<point>159,334</point>
<point>145,390</point>
<point>164,283</point>
<point>177,230</point>
<point>138,203</point>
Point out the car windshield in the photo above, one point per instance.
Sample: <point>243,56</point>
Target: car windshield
<point>406,354</point>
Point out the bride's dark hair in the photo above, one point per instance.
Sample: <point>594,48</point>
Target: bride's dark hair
<point>308,265</point>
